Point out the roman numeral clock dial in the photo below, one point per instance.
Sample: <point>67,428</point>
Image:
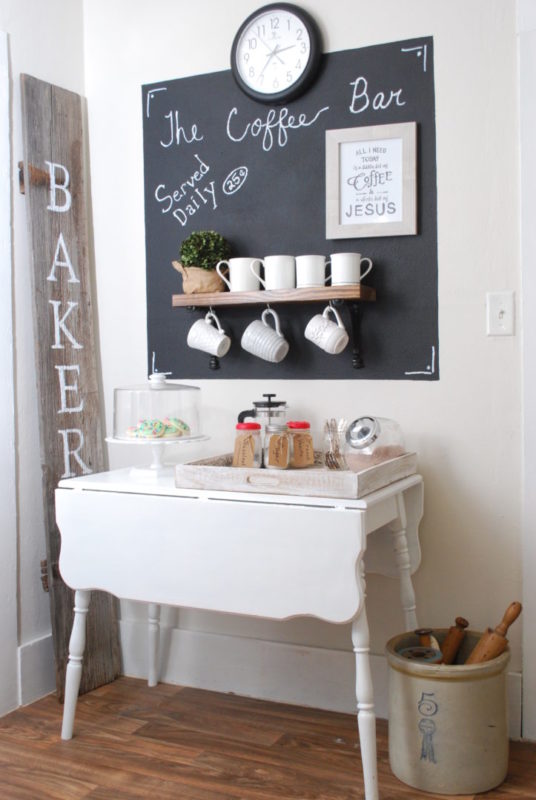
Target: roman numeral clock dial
<point>276,53</point>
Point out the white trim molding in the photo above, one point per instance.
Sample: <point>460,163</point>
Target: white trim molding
<point>37,674</point>
<point>286,673</point>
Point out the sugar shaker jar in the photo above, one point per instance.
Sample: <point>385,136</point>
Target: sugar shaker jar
<point>248,447</point>
<point>277,446</point>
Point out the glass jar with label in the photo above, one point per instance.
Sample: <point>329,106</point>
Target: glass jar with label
<point>277,447</point>
<point>247,448</point>
<point>303,454</point>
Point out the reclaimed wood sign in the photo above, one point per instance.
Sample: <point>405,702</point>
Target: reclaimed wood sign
<point>71,437</point>
<point>215,159</point>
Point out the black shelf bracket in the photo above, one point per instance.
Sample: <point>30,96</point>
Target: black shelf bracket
<point>355,317</point>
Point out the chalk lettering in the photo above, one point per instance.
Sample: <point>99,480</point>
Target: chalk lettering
<point>68,387</point>
<point>178,194</point>
<point>272,130</point>
<point>177,133</point>
<point>199,196</point>
<point>65,263</point>
<point>235,180</point>
<point>59,324</point>
<point>54,186</point>
<point>380,101</point>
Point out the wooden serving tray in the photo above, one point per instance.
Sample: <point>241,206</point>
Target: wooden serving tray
<point>317,481</point>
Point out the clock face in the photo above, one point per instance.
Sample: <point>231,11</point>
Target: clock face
<point>276,53</point>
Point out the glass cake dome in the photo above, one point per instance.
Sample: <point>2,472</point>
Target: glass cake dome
<point>157,411</point>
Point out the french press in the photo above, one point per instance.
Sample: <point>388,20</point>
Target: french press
<point>266,411</point>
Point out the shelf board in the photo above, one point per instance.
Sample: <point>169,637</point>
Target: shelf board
<point>315,294</point>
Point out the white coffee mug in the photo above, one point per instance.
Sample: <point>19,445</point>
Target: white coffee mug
<point>346,268</point>
<point>311,271</point>
<point>204,336</point>
<point>279,272</point>
<point>329,336</point>
<point>241,277</point>
<point>263,341</point>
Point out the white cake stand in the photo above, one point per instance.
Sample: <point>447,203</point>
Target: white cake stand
<point>158,447</point>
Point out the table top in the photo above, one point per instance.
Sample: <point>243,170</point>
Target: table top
<point>161,482</point>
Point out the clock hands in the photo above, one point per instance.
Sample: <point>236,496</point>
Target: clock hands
<point>282,49</point>
<point>272,52</point>
<point>275,52</point>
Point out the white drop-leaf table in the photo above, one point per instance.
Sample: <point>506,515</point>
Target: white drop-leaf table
<point>262,555</point>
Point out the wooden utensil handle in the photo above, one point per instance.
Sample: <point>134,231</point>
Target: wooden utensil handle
<point>489,646</point>
<point>453,639</point>
<point>510,615</point>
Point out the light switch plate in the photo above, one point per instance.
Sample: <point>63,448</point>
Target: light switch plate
<point>500,313</point>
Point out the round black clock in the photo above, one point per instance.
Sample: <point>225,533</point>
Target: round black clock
<point>276,53</point>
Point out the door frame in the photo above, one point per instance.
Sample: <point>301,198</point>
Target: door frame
<point>9,685</point>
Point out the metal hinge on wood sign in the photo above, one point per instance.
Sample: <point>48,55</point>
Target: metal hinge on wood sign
<point>39,177</point>
<point>44,574</point>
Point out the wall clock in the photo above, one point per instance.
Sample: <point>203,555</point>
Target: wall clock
<point>276,53</point>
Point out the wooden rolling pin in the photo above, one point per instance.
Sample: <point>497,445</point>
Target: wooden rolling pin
<point>453,640</point>
<point>494,642</point>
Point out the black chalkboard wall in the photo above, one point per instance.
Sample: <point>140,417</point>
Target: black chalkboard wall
<point>206,124</point>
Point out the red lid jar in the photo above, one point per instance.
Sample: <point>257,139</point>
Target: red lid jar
<point>248,446</point>
<point>302,445</point>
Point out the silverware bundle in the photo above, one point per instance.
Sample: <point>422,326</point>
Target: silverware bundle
<point>334,432</point>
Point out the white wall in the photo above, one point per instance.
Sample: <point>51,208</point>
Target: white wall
<point>466,428</point>
<point>45,40</point>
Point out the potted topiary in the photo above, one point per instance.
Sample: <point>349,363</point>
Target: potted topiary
<point>199,254</point>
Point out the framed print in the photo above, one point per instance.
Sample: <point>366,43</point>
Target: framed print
<point>371,181</point>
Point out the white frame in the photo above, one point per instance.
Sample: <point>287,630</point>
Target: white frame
<point>406,133</point>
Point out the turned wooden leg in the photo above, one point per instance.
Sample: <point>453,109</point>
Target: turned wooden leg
<point>366,719</point>
<point>77,643</point>
<point>403,563</point>
<point>153,639</point>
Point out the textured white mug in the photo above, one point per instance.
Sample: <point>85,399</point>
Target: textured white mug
<point>279,272</point>
<point>329,336</point>
<point>346,268</point>
<point>311,271</point>
<point>263,341</point>
<point>204,336</point>
<point>242,276</point>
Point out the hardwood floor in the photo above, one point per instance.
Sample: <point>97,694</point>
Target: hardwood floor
<point>169,742</point>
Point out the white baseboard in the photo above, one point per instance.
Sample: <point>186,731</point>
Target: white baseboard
<point>37,674</point>
<point>308,676</point>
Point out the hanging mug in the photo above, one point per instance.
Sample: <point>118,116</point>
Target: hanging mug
<point>263,341</point>
<point>326,334</point>
<point>207,334</point>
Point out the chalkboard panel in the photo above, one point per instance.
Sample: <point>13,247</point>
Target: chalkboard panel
<point>199,130</point>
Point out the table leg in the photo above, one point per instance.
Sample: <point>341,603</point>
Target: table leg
<point>77,643</point>
<point>153,639</point>
<point>366,719</point>
<point>400,545</point>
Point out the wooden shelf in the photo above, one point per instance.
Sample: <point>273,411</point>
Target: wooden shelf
<point>320,294</point>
